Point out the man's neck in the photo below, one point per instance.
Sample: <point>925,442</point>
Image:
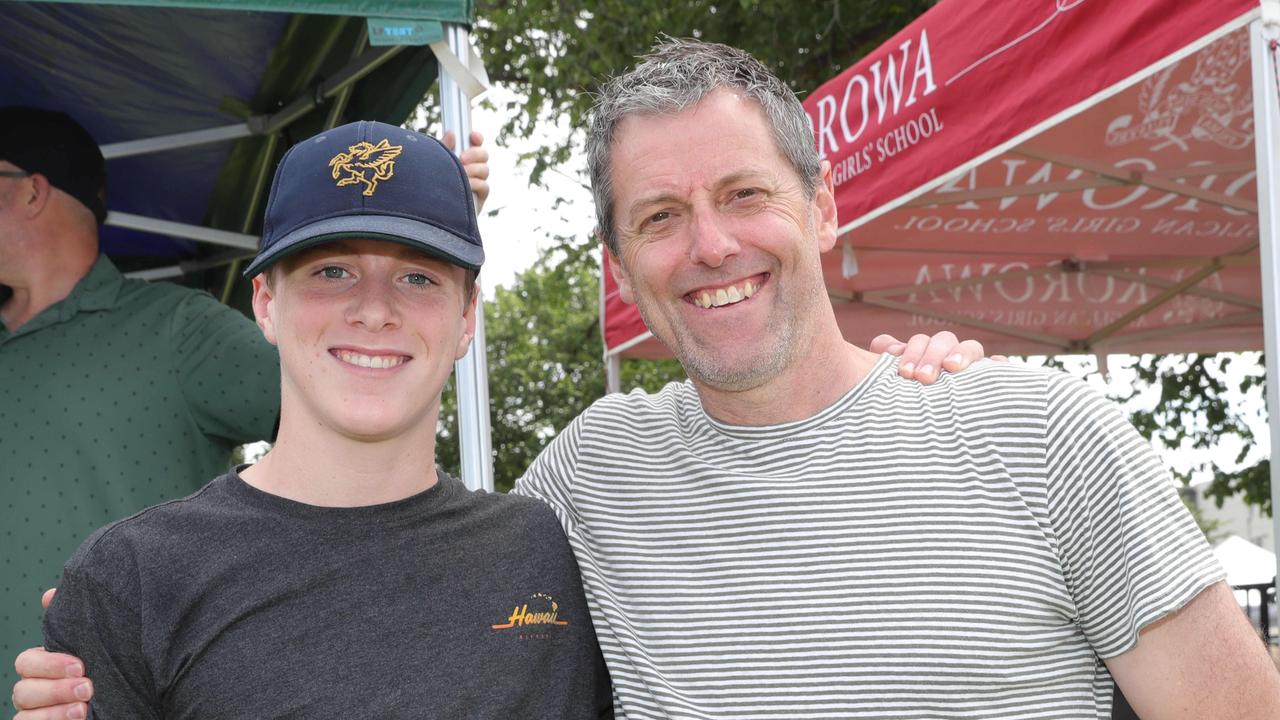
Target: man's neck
<point>324,469</point>
<point>40,284</point>
<point>826,373</point>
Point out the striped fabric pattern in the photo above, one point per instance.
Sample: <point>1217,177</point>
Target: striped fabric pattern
<point>963,550</point>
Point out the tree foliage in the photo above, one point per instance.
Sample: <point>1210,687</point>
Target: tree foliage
<point>558,53</point>
<point>1198,407</point>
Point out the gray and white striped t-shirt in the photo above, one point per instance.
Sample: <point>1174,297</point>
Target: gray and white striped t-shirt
<point>968,549</point>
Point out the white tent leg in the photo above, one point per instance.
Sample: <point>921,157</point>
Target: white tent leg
<point>612,373</point>
<point>1266,127</point>
<point>471,373</point>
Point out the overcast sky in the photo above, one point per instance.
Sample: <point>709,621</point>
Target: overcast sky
<point>525,219</point>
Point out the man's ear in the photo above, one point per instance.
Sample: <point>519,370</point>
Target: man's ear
<point>619,274</point>
<point>825,218</point>
<point>469,320</point>
<point>35,195</point>
<point>262,306</point>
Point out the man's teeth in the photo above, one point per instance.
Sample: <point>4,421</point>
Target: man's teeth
<point>724,296</point>
<point>376,362</point>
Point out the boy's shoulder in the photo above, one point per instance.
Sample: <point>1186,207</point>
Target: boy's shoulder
<point>119,546</point>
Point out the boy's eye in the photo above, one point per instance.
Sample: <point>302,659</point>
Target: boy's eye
<point>333,272</point>
<point>417,279</point>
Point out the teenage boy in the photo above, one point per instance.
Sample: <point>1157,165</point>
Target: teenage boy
<point>343,575</point>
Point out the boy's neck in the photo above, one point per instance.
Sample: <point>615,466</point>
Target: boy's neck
<point>327,471</point>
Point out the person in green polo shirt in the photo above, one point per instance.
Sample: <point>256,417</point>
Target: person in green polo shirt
<point>115,394</point>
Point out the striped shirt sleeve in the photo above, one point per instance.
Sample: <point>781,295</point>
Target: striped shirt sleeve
<point>550,477</point>
<point>1130,550</point>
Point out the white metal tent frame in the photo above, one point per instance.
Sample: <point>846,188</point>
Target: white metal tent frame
<point>1264,46</point>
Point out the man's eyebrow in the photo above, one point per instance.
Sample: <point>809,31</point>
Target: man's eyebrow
<point>752,174</point>
<point>662,198</point>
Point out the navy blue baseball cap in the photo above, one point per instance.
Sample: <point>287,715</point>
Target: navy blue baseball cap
<point>374,181</point>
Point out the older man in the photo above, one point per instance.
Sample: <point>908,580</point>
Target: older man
<point>796,531</point>
<point>114,393</point>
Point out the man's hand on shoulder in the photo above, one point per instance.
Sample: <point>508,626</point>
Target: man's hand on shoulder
<point>475,160</point>
<point>923,357</point>
<point>52,685</point>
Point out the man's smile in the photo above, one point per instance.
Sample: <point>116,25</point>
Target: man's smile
<point>722,295</point>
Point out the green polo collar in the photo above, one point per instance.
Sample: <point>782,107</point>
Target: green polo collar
<point>97,290</point>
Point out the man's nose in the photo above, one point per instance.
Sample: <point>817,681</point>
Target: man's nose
<point>711,244</point>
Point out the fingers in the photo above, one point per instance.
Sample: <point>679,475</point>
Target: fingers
<point>964,355</point>
<point>40,699</point>
<point>450,139</point>
<point>40,663</point>
<point>923,357</point>
<point>36,697</point>
<point>47,597</point>
<point>886,343</point>
<point>53,685</point>
<point>475,160</point>
<point>911,365</point>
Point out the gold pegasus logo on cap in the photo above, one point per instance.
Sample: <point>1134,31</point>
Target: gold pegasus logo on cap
<point>366,163</point>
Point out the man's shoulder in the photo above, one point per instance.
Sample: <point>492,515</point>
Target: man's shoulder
<point>162,295</point>
<point>507,509</point>
<point>988,379</point>
<point>639,406</point>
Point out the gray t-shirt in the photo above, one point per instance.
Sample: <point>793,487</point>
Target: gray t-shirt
<point>235,603</point>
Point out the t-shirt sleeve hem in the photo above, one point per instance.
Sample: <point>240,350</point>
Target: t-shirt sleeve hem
<point>1172,605</point>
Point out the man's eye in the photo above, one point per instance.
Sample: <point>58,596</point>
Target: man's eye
<point>333,272</point>
<point>744,193</point>
<point>417,279</point>
<point>659,217</point>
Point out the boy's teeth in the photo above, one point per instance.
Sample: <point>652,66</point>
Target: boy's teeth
<point>377,362</point>
<point>724,296</point>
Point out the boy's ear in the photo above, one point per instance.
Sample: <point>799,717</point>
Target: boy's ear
<point>263,297</point>
<point>469,320</point>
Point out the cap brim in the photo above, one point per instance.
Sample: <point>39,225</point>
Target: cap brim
<point>413,233</point>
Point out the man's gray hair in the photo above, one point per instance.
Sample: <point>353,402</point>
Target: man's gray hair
<point>676,75</point>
